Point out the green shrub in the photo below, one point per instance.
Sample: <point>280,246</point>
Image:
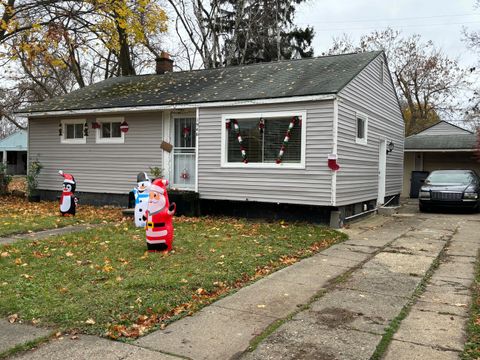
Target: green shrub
<point>156,172</point>
<point>4,179</point>
<point>32,177</point>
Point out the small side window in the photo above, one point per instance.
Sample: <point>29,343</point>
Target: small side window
<point>362,128</point>
<point>109,131</point>
<point>382,72</point>
<point>73,132</point>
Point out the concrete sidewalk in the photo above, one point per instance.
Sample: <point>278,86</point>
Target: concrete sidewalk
<point>334,305</point>
<point>39,235</point>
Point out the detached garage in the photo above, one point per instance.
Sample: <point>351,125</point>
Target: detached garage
<point>441,146</point>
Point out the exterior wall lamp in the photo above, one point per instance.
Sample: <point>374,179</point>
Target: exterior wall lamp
<point>390,147</point>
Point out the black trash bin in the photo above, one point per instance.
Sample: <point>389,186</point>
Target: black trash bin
<point>416,182</point>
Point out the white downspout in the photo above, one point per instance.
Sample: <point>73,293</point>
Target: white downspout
<point>197,128</point>
<point>333,200</point>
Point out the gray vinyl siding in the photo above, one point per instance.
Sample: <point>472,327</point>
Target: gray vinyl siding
<point>311,185</point>
<point>444,128</point>
<point>357,179</point>
<point>98,168</point>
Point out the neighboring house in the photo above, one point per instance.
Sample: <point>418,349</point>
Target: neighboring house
<point>186,123</point>
<point>13,153</point>
<point>441,146</point>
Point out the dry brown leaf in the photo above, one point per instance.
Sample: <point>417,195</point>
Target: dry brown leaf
<point>13,318</point>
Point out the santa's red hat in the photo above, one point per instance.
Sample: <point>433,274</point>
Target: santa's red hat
<point>67,178</point>
<point>159,185</point>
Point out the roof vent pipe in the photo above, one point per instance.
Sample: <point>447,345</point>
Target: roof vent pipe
<point>164,63</point>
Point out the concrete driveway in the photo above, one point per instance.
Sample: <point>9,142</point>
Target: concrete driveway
<point>410,269</point>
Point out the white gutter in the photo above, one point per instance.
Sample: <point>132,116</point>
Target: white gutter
<point>439,150</point>
<point>177,107</point>
<point>197,126</point>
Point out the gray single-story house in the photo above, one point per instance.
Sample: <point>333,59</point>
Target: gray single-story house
<point>268,133</point>
<point>13,153</point>
<point>442,146</point>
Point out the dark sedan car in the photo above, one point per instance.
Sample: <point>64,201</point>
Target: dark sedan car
<point>450,188</point>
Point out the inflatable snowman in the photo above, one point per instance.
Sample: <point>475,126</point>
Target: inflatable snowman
<point>159,229</point>
<point>141,198</point>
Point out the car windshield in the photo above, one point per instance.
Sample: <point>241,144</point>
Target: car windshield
<point>450,177</point>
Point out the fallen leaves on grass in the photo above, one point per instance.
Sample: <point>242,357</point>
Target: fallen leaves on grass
<point>13,318</point>
<point>90,321</point>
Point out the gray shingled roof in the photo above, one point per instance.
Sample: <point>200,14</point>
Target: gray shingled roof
<point>440,142</point>
<point>314,76</point>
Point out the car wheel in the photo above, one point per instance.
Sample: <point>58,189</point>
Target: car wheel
<point>423,208</point>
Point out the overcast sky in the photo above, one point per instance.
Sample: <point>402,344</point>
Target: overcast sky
<point>438,20</point>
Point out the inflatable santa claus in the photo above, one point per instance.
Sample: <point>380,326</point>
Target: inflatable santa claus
<point>159,229</point>
<point>68,201</point>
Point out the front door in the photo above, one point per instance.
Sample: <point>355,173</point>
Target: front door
<point>184,152</point>
<point>382,171</point>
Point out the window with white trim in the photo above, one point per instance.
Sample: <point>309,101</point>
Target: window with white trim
<point>265,139</point>
<point>109,131</point>
<point>362,128</point>
<point>382,72</point>
<point>73,131</point>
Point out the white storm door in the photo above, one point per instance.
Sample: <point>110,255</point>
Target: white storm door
<point>382,171</point>
<point>184,152</point>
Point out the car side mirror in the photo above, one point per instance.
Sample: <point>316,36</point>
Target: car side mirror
<point>422,180</point>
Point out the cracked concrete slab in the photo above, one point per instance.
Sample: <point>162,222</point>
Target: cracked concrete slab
<point>400,350</point>
<point>462,248</point>
<point>457,269</point>
<point>411,245</point>
<point>88,348</point>
<point>468,234</point>
<point>312,272</point>
<point>361,249</point>
<point>212,333</point>
<point>457,309</point>
<point>381,281</point>
<point>432,329</point>
<point>354,310</point>
<point>340,253</point>
<point>399,263</point>
<point>272,298</point>
<point>305,340</point>
<point>18,334</point>
<point>39,235</point>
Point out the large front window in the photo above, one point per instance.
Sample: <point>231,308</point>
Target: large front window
<point>264,139</point>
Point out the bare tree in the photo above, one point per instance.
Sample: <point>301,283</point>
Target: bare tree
<point>232,32</point>
<point>426,80</point>
<point>54,46</point>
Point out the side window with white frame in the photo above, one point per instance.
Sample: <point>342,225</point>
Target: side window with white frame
<point>73,131</point>
<point>264,139</point>
<point>362,128</point>
<point>109,131</point>
<point>382,72</point>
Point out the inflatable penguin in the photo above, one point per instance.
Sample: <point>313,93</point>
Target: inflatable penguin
<point>159,229</point>
<point>141,198</point>
<point>68,201</point>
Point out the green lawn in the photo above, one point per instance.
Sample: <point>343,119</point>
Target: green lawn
<point>472,345</point>
<point>103,282</point>
<point>19,216</point>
